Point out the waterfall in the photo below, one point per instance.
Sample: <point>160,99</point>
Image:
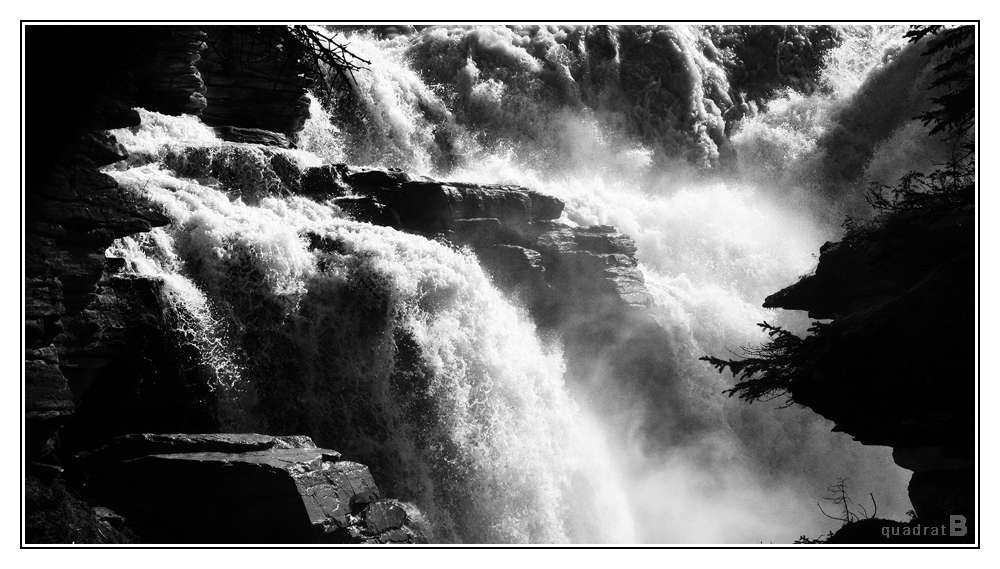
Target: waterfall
<point>399,352</point>
<point>394,349</point>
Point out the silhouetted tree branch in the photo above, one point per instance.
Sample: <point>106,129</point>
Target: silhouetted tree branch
<point>766,371</point>
<point>328,66</point>
<point>322,53</point>
<point>840,497</point>
<point>955,112</point>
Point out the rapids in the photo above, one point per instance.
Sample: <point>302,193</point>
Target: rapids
<point>400,353</point>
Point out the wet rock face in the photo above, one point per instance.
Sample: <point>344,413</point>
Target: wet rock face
<point>558,270</point>
<point>580,282</point>
<point>251,84</point>
<point>130,367</point>
<point>429,206</point>
<point>592,265</point>
<point>252,136</point>
<point>73,214</point>
<point>170,82</point>
<point>242,488</point>
<point>100,360</point>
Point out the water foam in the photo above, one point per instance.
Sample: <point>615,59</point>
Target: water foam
<point>392,348</point>
<point>386,330</point>
<point>710,249</point>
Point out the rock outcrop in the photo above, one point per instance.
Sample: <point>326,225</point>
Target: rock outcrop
<point>553,267</point>
<point>170,82</point>
<point>896,365</point>
<point>73,214</point>
<point>250,82</point>
<point>252,136</point>
<point>242,488</point>
<point>581,282</point>
<point>132,367</point>
<point>513,231</point>
<point>856,275</point>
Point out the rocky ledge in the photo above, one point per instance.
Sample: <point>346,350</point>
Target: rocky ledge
<point>896,366</point>
<point>241,488</point>
<point>512,230</point>
<point>581,282</point>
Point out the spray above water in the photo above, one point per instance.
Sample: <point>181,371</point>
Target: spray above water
<point>560,110</point>
<point>400,353</point>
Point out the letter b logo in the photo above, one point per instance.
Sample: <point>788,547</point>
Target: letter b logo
<point>957,526</point>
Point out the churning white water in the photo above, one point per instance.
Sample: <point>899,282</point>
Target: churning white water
<point>398,350</point>
<point>487,434</point>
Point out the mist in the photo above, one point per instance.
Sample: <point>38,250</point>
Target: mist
<point>717,229</point>
<point>492,423</point>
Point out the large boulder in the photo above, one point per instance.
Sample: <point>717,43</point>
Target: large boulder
<point>241,488</point>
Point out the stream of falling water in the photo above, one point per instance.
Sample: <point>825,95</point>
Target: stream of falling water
<point>394,349</point>
<point>399,352</point>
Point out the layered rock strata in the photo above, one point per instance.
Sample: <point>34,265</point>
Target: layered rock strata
<point>512,230</point>
<point>73,214</point>
<point>581,282</point>
<point>170,81</point>
<point>252,80</point>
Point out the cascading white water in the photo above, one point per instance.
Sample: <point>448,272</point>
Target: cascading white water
<point>475,427</point>
<point>399,352</point>
<point>518,109</point>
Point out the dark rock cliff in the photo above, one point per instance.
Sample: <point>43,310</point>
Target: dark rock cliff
<point>91,336</point>
<point>896,366</point>
<point>73,213</point>
<point>73,321</point>
<point>250,83</point>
